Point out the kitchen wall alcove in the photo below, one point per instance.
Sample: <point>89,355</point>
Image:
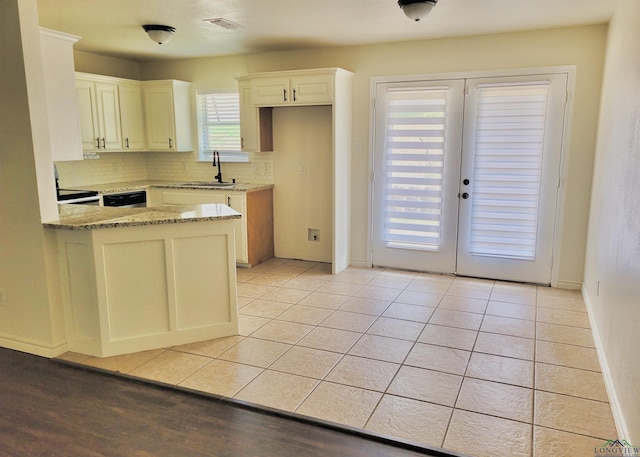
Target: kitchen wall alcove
<point>312,170</point>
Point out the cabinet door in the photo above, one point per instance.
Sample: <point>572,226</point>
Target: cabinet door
<point>89,131</point>
<point>249,130</point>
<point>131,117</point>
<point>108,116</point>
<point>271,91</point>
<point>159,117</point>
<point>312,89</point>
<point>237,202</point>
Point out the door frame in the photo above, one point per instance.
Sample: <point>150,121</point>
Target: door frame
<point>569,70</point>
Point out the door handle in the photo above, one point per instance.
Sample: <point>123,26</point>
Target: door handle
<point>465,195</point>
<point>285,94</point>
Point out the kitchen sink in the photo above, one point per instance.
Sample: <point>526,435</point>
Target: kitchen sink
<point>208,184</point>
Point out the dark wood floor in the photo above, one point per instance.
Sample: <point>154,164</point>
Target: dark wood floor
<point>51,409</point>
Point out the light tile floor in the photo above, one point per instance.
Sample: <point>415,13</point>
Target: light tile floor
<point>486,368</point>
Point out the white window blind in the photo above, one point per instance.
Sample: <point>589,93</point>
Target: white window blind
<point>414,167</point>
<point>509,140</point>
<point>219,125</point>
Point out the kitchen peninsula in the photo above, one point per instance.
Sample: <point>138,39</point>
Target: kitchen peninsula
<point>135,279</point>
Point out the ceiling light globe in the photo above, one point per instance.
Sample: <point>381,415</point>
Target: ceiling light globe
<point>159,33</point>
<point>416,9</point>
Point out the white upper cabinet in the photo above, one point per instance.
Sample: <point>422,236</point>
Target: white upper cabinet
<point>293,88</point>
<point>99,107</point>
<point>118,114</point>
<point>62,101</point>
<point>132,115</point>
<point>167,112</point>
<point>249,132</point>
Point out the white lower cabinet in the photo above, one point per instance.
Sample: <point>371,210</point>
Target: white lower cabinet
<point>236,200</point>
<point>132,289</point>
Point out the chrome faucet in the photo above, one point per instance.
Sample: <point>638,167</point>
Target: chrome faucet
<point>218,177</point>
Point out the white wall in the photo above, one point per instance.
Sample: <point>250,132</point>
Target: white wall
<point>31,313</point>
<point>302,199</point>
<point>612,270</point>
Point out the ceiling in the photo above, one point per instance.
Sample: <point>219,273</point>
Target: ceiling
<point>114,27</point>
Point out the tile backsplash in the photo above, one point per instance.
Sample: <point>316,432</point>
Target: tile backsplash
<point>170,166</point>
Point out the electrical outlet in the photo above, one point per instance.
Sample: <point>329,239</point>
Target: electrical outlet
<point>313,234</point>
<point>303,169</point>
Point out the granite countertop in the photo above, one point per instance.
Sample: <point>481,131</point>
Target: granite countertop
<point>87,217</point>
<point>128,186</point>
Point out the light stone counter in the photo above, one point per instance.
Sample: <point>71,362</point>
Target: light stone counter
<point>129,186</point>
<point>82,217</point>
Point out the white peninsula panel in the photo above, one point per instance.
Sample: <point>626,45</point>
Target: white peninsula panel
<point>129,288</point>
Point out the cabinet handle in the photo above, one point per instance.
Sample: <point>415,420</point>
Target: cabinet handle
<point>295,95</point>
<point>228,201</point>
<point>170,143</point>
<point>285,94</point>
<point>104,144</point>
<point>126,141</point>
<point>98,143</point>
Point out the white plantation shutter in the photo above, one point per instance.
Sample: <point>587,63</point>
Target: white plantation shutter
<point>413,167</point>
<point>219,125</point>
<point>508,159</point>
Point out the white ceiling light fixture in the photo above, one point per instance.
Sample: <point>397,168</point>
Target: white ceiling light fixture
<point>159,33</point>
<point>417,9</point>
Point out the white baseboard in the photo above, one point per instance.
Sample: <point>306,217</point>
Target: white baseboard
<point>571,285</point>
<point>359,263</point>
<point>618,417</point>
<point>32,347</point>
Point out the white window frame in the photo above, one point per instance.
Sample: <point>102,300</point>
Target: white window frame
<point>205,153</point>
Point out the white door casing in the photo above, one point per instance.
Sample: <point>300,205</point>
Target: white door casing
<point>498,175</point>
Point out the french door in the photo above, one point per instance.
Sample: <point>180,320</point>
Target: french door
<point>466,175</point>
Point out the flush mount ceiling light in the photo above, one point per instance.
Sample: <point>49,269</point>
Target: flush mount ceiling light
<point>159,33</point>
<point>417,9</point>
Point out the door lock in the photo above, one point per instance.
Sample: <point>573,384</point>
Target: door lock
<point>465,195</point>
<point>466,182</point>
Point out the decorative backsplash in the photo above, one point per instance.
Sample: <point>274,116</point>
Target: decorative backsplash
<point>127,166</point>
